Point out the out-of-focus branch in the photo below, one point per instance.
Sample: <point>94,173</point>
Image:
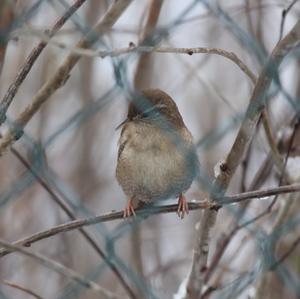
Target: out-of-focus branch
<point>284,14</point>
<point>6,18</point>
<point>31,58</point>
<point>70,214</point>
<point>236,226</point>
<point>142,77</point>
<point>62,74</point>
<point>233,159</point>
<point>59,268</point>
<point>264,286</point>
<point>287,253</point>
<point>18,287</point>
<point>151,210</point>
<point>273,146</point>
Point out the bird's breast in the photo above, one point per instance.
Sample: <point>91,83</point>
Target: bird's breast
<point>151,165</point>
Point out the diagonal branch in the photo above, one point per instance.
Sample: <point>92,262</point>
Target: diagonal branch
<point>227,169</point>
<point>71,215</point>
<point>31,58</point>
<point>62,74</point>
<point>21,288</point>
<point>59,268</point>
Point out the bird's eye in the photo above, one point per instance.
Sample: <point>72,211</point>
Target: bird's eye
<point>153,110</point>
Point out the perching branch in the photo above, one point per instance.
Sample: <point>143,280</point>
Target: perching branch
<point>150,210</point>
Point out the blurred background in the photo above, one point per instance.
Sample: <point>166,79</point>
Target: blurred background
<point>72,144</point>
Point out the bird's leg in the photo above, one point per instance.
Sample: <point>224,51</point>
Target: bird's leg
<point>183,207</point>
<point>129,209</point>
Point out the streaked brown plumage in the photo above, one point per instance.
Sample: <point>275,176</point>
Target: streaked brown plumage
<point>156,158</point>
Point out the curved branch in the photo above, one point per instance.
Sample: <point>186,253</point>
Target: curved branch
<point>152,49</point>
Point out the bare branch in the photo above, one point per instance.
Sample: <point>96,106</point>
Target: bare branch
<point>284,14</point>
<point>153,49</point>
<point>150,210</point>
<point>31,58</point>
<point>62,74</point>
<point>16,286</point>
<point>260,193</point>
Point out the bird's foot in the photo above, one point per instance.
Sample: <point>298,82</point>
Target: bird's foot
<point>183,207</point>
<point>129,210</point>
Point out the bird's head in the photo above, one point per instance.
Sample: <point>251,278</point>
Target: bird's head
<point>154,105</point>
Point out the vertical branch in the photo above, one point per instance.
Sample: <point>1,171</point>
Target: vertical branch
<point>233,159</point>
<point>6,18</point>
<point>142,78</point>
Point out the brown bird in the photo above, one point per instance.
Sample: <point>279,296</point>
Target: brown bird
<point>156,158</point>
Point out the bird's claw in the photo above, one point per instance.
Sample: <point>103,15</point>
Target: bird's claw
<point>129,210</point>
<point>183,207</point>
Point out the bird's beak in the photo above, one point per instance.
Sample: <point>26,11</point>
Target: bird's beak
<point>122,124</point>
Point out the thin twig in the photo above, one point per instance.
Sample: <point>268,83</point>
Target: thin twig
<point>151,49</point>
<point>284,14</point>
<point>260,193</point>
<point>23,289</point>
